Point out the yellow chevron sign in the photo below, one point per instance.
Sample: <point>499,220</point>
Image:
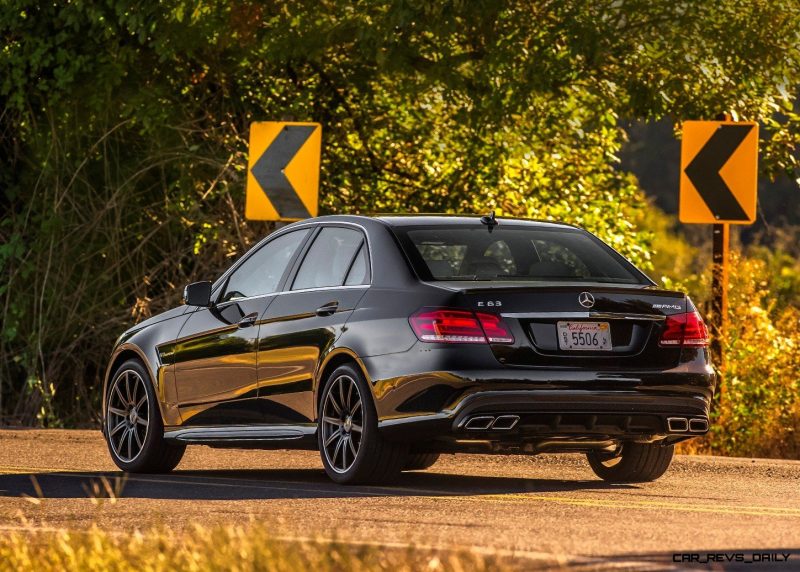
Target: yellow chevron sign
<point>719,172</point>
<point>283,171</point>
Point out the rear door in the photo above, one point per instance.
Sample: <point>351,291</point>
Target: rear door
<point>307,318</point>
<point>216,352</point>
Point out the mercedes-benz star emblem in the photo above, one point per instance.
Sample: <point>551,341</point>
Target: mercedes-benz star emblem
<point>586,300</point>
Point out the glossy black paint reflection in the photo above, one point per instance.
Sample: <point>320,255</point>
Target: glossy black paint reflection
<point>260,361</point>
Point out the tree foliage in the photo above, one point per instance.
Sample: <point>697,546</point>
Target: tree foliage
<point>758,404</point>
<point>124,128</point>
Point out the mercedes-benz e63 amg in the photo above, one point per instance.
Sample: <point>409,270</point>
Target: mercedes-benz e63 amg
<point>384,342</point>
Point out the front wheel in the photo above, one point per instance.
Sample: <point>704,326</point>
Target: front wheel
<point>133,427</point>
<point>352,449</point>
<point>634,463</point>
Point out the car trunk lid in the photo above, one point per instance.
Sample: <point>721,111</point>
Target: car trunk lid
<point>631,316</point>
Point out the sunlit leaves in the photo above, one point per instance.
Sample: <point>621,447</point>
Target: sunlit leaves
<point>125,123</point>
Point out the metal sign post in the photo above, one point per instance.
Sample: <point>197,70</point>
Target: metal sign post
<point>719,288</point>
<point>719,184</point>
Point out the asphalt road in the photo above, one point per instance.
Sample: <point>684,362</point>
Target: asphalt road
<point>536,508</point>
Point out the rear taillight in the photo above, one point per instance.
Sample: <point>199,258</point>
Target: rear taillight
<point>495,330</point>
<point>459,327</point>
<point>684,330</point>
<point>448,326</point>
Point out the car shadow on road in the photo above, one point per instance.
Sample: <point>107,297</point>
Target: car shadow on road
<point>267,484</point>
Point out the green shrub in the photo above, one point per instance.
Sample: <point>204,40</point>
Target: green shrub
<point>757,412</point>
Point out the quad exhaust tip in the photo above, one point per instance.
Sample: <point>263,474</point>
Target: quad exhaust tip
<point>677,424</point>
<point>684,425</point>
<point>505,422</point>
<point>479,423</point>
<point>486,422</point>
<point>698,425</point>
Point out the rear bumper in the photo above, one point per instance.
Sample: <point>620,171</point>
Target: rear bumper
<point>418,400</point>
<point>528,415</point>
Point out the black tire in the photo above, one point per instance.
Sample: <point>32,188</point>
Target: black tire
<point>637,463</point>
<point>156,454</point>
<point>420,461</point>
<point>376,460</point>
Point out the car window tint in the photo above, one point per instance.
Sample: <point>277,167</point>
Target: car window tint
<point>328,259</point>
<point>519,253</point>
<point>358,272</point>
<point>555,258</point>
<point>500,252</point>
<point>261,273</point>
<point>443,258</point>
<point>495,260</point>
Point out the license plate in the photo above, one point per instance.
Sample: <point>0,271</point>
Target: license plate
<point>584,336</point>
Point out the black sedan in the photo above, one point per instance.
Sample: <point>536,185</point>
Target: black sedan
<point>384,342</point>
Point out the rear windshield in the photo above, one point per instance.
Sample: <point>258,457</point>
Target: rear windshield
<point>517,253</point>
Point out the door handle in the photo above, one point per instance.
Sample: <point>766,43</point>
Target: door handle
<point>328,309</point>
<point>248,320</point>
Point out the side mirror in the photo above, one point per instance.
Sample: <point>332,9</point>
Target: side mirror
<point>198,294</point>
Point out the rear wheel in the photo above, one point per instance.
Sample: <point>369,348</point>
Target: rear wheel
<point>420,461</point>
<point>133,427</point>
<point>635,463</point>
<point>352,449</point>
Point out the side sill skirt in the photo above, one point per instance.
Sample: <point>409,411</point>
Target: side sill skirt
<point>236,433</point>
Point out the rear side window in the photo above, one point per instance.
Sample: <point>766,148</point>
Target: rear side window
<point>359,271</point>
<point>330,259</point>
<point>518,253</point>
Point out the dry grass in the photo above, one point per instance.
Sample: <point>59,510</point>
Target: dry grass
<point>234,547</point>
<point>241,547</point>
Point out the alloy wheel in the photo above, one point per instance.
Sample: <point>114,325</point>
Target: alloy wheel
<point>342,423</point>
<point>127,417</point>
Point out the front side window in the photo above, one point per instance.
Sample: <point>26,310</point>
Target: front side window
<point>261,273</point>
<point>518,253</point>
<point>329,259</point>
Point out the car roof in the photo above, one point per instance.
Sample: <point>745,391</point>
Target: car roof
<point>401,220</point>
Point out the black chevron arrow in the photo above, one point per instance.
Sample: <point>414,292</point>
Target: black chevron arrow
<point>704,169</point>
<point>269,170</point>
